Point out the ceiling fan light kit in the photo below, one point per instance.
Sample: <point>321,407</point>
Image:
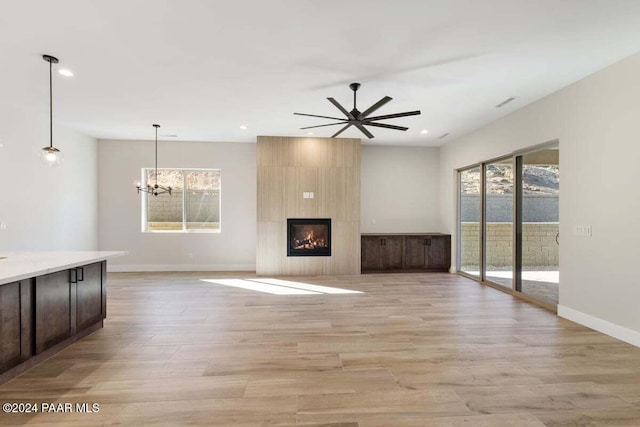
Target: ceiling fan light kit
<point>360,119</point>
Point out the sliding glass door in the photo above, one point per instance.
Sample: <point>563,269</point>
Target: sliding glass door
<point>540,233</point>
<point>498,225</point>
<point>470,214</point>
<point>508,223</point>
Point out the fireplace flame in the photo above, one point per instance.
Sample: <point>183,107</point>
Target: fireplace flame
<point>309,242</point>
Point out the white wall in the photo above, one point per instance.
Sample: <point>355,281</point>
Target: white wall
<point>45,208</point>
<point>399,189</point>
<point>120,207</point>
<point>596,121</point>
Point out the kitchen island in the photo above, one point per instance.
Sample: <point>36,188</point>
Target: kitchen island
<point>48,300</point>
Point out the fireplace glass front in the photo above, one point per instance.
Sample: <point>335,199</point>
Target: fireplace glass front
<point>309,237</point>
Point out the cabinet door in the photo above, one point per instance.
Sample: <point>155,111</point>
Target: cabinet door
<point>370,253</point>
<point>53,309</point>
<point>9,325</point>
<point>391,252</point>
<point>415,254</point>
<point>89,295</point>
<point>439,253</point>
<point>15,323</point>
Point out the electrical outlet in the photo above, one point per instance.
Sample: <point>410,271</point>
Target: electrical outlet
<point>582,230</point>
<point>3,225</point>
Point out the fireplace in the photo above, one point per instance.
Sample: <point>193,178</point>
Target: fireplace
<point>309,237</point>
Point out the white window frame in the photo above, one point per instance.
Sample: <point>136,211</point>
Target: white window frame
<point>143,201</point>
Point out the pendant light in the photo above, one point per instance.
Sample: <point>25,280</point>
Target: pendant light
<point>156,188</point>
<point>50,155</point>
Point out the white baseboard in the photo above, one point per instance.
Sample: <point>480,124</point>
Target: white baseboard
<point>616,331</point>
<point>124,268</point>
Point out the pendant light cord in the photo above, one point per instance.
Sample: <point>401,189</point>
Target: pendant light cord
<point>156,156</point>
<point>50,105</point>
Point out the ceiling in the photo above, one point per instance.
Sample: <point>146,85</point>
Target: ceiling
<point>203,68</point>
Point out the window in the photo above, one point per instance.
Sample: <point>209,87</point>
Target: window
<point>193,206</point>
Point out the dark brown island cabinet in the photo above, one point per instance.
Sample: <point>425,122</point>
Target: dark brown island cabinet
<point>408,252</point>
<point>41,315</point>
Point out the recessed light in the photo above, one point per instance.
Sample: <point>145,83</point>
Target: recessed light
<point>65,72</point>
<point>243,127</point>
<point>309,133</point>
<point>424,131</point>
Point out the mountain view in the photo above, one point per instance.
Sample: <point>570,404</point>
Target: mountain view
<point>536,179</point>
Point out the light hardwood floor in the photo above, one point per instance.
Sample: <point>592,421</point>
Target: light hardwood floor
<point>411,350</point>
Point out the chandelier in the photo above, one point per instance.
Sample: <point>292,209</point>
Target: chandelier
<point>156,188</point>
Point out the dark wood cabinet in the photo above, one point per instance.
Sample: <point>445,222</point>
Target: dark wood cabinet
<point>391,250</point>
<point>438,253</point>
<point>67,302</point>
<point>89,296</point>
<point>370,253</point>
<point>405,252</point>
<point>382,252</point>
<point>53,309</point>
<point>43,314</point>
<point>15,324</point>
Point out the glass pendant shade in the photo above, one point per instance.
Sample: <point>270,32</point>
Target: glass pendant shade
<point>50,156</point>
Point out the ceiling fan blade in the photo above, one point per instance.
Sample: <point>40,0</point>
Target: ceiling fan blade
<point>360,126</point>
<point>392,116</point>
<point>328,124</point>
<point>386,126</point>
<point>340,131</point>
<point>315,115</point>
<point>341,108</point>
<point>375,106</point>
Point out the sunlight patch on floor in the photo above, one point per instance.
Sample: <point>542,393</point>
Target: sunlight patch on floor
<point>535,276</point>
<point>306,286</point>
<point>280,287</point>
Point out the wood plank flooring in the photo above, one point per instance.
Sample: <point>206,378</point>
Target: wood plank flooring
<point>411,350</point>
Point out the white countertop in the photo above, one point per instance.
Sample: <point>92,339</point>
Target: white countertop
<point>23,265</point>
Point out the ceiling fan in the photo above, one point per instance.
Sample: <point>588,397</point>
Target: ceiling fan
<point>360,119</point>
